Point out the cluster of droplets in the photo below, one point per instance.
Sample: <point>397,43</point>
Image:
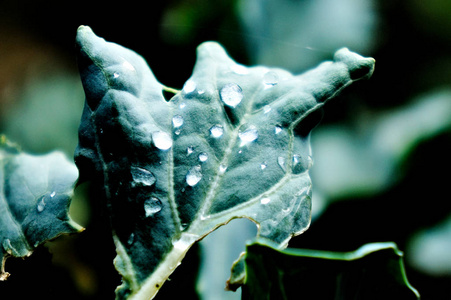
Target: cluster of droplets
<point>177,122</point>
<point>40,206</point>
<point>143,178</point>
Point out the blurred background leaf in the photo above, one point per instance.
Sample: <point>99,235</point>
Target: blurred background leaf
<point>373,271</point>
<point>392,131</point>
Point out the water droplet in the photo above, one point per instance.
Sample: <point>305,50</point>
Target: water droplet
<point>248,136</point>
<point>231,94</point>
<point>301,165</point>
<point>142,177</point>
<point>222,168</point>
<point>216,131</point>
<point>189,150</point>
<point>265,200</point>
<point>177,132</point>
<point>263,165</point>
<point>200,92</point>
<point>203,157</point>
<point>177,121</point>
<point>162,140</point>
<point>41,204</point>
<point>281,162</point>
<point>266,109</point>
<point>239,69</point>
<point>115,75</point>
<point>131,239</point>
<point>194,175</point>
<point>189,86</point>
<point>182,105</point>
<point>277,129</point>
<point>52,194</point>
<point>270,79</point>
<point>152,206</point>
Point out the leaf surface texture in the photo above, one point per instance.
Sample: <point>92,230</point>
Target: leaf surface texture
<point>233,143</point>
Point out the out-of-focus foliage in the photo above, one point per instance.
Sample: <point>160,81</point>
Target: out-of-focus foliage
<point>298,34</point>
<point>374,271</point>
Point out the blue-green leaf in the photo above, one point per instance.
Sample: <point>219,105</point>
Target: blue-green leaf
<point>35,194</point>
<point>233,143</point>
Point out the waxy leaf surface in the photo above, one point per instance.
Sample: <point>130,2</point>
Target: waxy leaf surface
<point>35,194</point>
<point>234,142</point>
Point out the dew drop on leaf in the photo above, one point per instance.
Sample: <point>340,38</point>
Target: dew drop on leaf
<point>162,140</point>
<point>142,177</point>
<point>41,204</point>
<point>152,206</point>
<point>270,79</point>
<point>248,136</point>
<point>263,165</point>
<point>277,129</point>
<point>194,175</point>
<point>203,157</point>
<point>189,86</point>
<point>231,94</point>
<point>177,121</point>
<point>216,131</point>
<point>189,150</point>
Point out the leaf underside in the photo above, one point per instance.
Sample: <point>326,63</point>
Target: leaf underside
<point>35,194</point>
<point>233,143</point>
<point>374,271</point>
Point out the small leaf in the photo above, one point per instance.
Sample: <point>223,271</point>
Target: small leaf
<point>207,169</point>
<point>374,271</point>
<point>35,194</point>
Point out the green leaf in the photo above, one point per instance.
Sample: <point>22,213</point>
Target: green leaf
<point>35,194</point>
<point>233,143</point>
<point>374,271</point>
